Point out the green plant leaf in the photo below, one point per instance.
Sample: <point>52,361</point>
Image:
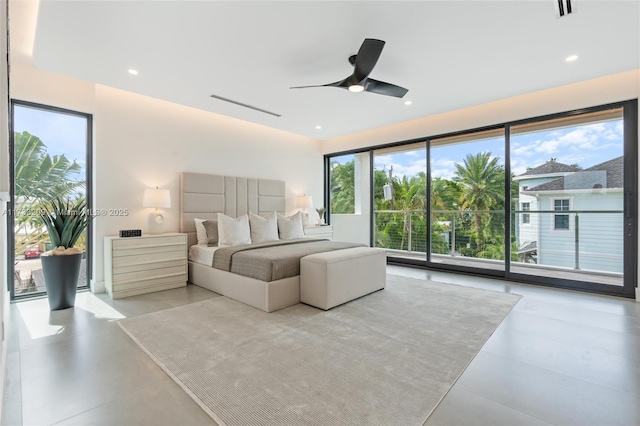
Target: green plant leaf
<point>65,220</point>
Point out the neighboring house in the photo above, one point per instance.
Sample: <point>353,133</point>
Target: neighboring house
<point>527,224</point>
<point>551,238</point>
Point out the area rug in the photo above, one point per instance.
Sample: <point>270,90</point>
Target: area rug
<point>384,359</point>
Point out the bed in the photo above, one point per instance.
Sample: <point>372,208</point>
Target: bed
<point>203,196</point>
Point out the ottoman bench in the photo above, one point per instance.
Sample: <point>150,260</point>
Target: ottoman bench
<point>332,278</point>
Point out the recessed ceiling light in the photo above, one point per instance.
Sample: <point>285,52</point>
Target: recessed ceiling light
<point>133,72</point>
<point>408,102</point>
<point>318,127</point>
<point>571,58</point>
<point>356,88</point>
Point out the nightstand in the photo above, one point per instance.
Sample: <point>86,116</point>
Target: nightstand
<point>323,231</point>
<point>138,265</point>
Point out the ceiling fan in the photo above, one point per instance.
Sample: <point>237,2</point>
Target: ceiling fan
<point>363,64</point>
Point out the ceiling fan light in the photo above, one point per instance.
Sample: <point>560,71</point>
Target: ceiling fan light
<point>356,88</point>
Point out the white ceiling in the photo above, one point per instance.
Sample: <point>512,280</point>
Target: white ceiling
<point>449,54</point>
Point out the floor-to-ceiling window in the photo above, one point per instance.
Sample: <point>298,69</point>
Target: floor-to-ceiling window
<point>467,199</point>
<point>400,200</point>
<point>548,200</point>
<point>569,208</point>
<point>50,153</point>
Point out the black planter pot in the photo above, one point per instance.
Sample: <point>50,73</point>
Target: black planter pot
<point>61,279</point>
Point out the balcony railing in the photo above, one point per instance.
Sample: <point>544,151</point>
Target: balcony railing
<point>586,241</point>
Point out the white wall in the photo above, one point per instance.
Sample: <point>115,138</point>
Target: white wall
<point>141,142</point>
<point>356,227</point>
<point>4,188</point>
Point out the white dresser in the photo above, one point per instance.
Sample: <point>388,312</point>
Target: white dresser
<point>323,231</point>
<point>145,264</point>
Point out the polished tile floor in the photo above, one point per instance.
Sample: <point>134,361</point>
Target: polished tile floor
<point>560,357</point>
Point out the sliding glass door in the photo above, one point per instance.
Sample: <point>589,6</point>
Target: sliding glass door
<point>400,200</point>
<point>569,212</point>
<point>468,199</point>
<point>549,200</point>
<point>50,150</point>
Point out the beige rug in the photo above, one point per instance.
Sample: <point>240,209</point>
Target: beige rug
<point>385,359</point>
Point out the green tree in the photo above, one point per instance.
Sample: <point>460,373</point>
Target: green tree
<point>495,251</point>
<point>38,177</point>
<point>481,181</point>
<point>445,195</point>
<point>342,181</point>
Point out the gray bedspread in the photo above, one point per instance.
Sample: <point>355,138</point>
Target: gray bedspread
<point>274,260</point>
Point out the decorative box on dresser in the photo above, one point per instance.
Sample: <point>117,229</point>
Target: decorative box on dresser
<point>318,231</point>
<point>138,265</point>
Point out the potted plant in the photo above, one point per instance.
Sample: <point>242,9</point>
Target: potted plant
<point>320,211</point>
<point>65,221</point>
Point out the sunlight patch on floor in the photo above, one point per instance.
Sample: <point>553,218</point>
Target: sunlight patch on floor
<point>90,303</point>
<point>37,318</point>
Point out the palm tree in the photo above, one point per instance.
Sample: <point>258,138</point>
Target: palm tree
<point>445,195</point>
<point>38,176</point>
<point>481,179</point>
<point>414,197</point>
<point>342,181</point>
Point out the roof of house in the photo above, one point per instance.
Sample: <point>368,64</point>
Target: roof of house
<point>528,248</point>
<point>551,167</point>
<point>579,180</point>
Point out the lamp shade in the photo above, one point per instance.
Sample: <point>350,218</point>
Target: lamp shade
<point>157,198</point>
<point>304,201</point>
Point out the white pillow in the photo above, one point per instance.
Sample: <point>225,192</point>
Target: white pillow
<point>263,229</point>
<point>233,232</point>
<point>290,227</point>
<point>201,232</point>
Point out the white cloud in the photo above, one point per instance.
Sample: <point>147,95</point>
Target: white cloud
<point>442,173</point>
<point>548,147</point>
<point>442,162</point>
<point>585,145</point>
<point>420,153</point>
<point>382,159</point>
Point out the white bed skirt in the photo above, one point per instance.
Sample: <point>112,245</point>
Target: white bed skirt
<point>266,296</point>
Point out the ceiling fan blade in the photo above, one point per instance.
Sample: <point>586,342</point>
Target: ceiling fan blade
<point>382,88</point>
<point>336,84</point>
<point>367,58</point>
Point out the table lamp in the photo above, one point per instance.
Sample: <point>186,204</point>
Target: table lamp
<point>304,202</point>
<point>157,199</point>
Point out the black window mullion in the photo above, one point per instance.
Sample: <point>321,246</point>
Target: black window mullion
<point>507,200</point>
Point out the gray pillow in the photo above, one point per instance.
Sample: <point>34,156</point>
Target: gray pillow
<point>211,226</point>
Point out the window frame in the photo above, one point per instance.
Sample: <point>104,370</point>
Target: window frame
<point>89,190</point>
<point>553,208</point>
<point>514,127</point>
<point>526,217</point>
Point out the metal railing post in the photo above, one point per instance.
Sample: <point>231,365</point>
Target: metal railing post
<point>577,241</point>
<point>410,232</point>
<point>453,234</point>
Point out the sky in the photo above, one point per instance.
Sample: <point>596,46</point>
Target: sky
<point>585,145</point>
<point>61,133</point>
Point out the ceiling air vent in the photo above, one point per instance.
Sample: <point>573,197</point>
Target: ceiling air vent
<point>246,106</point>
<point>565,7</point>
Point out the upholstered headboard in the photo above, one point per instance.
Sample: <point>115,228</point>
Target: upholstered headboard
<point>204,196</point>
